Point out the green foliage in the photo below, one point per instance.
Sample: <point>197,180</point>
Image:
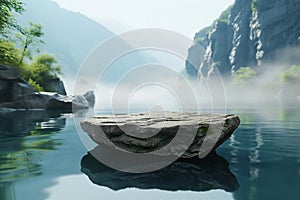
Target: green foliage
<point>243,75</point>
<point>217,63</point>
<point>291,75</point>
<point>37,87</point>
<point>9,55</point>
<point>202,34</point>
<point>42,70</point>
<point>30,36</point>
<point>44,67</point>
<point>254,5</point>
<point>224,17</point>
<point>7,10</point>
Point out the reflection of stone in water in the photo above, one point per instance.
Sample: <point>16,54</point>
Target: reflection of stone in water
<point>193,174</point>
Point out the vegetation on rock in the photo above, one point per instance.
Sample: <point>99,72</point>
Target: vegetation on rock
<point>291,75</point>
<point>224,17</point>
<point>40,71</point>
<point>243,75</point>
<point>254,5</point>
<point>17,44</point>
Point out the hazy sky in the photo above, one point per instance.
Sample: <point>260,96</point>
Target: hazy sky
<point>183,16</point>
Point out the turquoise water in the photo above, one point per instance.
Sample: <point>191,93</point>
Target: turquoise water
<point>42,157</point>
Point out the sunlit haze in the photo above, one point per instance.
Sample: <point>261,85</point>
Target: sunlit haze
<point>186,17</point>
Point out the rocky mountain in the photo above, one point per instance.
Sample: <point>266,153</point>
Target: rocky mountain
<point>249,33</point>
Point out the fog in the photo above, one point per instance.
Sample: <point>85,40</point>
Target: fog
<point>267,87</point>
<point>161,84</point>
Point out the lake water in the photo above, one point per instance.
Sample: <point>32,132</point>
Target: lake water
<point>42,157</point>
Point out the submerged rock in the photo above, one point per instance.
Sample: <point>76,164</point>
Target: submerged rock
<point>192,174</point>
<point>181,134</point>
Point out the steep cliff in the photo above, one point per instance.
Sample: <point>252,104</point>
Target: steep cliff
<point>249,33</point>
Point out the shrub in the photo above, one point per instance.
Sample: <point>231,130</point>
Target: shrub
<point>291,75</point>
<point>254,5</point>
<point>42,70</point>
<point>243,75</point>
<point>37,87</point>
<point>9,55</point>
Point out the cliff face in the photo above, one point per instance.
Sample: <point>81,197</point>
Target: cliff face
<point>249,33</point>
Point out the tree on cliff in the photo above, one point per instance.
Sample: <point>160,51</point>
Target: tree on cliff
<point>7,10</point>
<point>13,52</point>
<point>30,36</point>
<point>8,53</point>
<point>43,69</point>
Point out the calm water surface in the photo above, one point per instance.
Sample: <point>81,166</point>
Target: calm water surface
<point>42,157</point>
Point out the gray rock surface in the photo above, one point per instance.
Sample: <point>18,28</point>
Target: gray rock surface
<point>57,86</point>
<point>147,133</point>
<point>50,100</point>
<point>9,73</point>
<point>90,97</point>
<point>57,101</point>
<point>12,86</point>
<point>30,101</point>
<point>21,88</point>
<point>250,35</point>
<point>16,93</point>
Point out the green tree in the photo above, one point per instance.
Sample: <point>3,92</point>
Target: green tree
<point>9,55</point>
<point>43,69</point>
<point>30,36</point>
<point>7,10</point>
<point>243,75</point>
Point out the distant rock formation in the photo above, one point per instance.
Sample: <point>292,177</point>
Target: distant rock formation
<point>249,33</point>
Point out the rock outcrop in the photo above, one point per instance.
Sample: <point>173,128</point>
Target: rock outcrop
<point>192,174</point>
<point>16,93</point>
<point>57,86</point>
<point>249,33</point>
<point>49,101</point>
<point>90,97</point>
<point>12,86</point>
<point>163,134</point>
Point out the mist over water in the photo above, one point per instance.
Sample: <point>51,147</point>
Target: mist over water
<point>126,77</point>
